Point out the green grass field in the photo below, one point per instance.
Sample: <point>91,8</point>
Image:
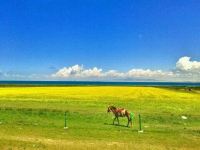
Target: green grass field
<point>33,118</point>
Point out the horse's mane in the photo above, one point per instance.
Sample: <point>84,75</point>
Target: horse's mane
<point>112,107</point>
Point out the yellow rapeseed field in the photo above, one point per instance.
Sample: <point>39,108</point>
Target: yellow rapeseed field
<point>91,93</point>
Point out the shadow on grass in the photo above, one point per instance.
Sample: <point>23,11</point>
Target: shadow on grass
<point>116,125</point>
<point>123,126</point>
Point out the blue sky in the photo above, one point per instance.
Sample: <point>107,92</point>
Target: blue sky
<point>41,37</point>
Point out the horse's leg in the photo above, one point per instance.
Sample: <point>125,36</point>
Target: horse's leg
<point>131,123</point>
<point>118,120</point>
<point>114,120</point>
<point>128,121</point>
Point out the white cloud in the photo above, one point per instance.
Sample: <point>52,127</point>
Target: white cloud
<point>142,73</point>
<point>185,64</point>
<point>78,71</point>
<point>114,74</point>
<point>187,70</point>
<point>94,72</point>
<point>68,71</point>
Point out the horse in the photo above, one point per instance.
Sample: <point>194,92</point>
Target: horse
<point>120,112</point>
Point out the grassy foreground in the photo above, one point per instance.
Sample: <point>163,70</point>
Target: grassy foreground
<point>33,118</point>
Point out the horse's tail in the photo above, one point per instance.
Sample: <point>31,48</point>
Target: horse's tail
<point>131,116</point>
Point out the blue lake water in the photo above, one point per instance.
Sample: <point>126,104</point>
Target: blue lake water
<point>91,83</point>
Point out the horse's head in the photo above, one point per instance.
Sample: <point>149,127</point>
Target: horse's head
<point>111,108</point>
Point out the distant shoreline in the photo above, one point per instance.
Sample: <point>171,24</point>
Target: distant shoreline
<point>95,83</point>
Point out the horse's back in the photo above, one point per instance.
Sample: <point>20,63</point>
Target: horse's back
<point>122,112</point>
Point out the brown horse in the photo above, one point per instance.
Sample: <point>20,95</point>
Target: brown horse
<point>120,112</point>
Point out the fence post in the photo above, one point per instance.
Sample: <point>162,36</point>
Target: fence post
<point>140,124</point>
<point>65,127</point>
